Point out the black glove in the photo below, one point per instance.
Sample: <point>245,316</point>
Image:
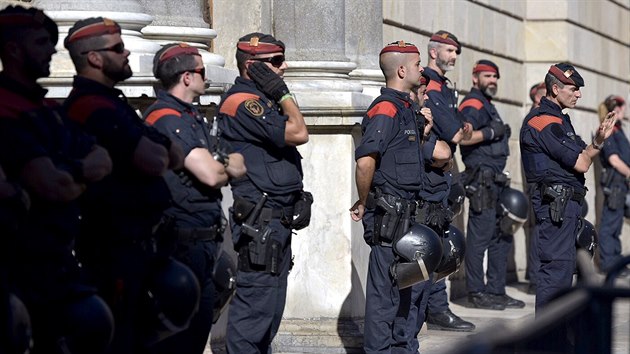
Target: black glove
<point>508,131</point>
<point>267,81</point>
<point>302,211</point>
<point>498,128</point>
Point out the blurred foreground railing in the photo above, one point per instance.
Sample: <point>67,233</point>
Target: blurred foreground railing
<point>577,321</point>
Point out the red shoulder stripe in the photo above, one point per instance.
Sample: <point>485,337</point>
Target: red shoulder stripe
<point>230,106</point>
<point>83,107</point>
<point>384,108</point>
<point>541,122</point>
<point>472,102</point>
<point>434,86</point>
<point>12,104</point>
<point>159,113</point>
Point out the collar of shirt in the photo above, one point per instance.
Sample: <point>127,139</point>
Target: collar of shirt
<point>34,94</point>
<point>434,76</point>
<point>166,97</point>
<point>403,96</point>
<point>476,93</point>
<point>551,108</point>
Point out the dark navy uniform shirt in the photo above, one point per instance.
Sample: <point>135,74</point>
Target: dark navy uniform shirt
<point>479,111</point>
<point>32,127</point>
<point>254,125</point>
<point>616,144</point>
<point>390,130</point>
<point>194,203</point>
<point>550,147</point>
<point>131,200</point>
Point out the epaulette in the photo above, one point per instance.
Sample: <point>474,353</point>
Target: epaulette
<point>232,102</point>
<point>386,108</point>
<point>434,86</point>
<point>471,102</point>
<point>541,122</point>
<point>83,107</point>
<point>157,114</point>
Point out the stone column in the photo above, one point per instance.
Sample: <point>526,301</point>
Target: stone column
<point>183,21</point>
<point>131,17</point>
<point>364,41</point>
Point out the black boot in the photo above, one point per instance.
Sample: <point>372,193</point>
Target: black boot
<point>448,321</point>
<point>484,301</point>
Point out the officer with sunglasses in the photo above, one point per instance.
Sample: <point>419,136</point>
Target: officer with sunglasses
<point>261,120</point>
<point>196,189</point>
<point>122,215</point>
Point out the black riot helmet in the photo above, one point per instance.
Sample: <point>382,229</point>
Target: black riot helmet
<point>419,252</point>
<point>86,325</point>
<point>512,209</point>
<point>453,250</point>
<point>15,328</point>
<point>584,210</point>
<point>587,238</point>
<point>456,198</point>
<point>224,278</point>
<point>172,298</point>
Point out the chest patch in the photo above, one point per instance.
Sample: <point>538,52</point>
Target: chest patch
<point>254,107</point>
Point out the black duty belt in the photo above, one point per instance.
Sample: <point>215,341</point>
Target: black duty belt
<point>197,234</point>
<point>576,195</point>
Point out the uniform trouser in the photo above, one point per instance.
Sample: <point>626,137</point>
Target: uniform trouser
<point>609,242</point>
<point>386,307</point>
<point>556,249</point>
<point>533,262</point>
<point>199,256</point>
<point>421,294</point>
<point>438,299</point>
<point>483,235</point>
<point>256,309</point>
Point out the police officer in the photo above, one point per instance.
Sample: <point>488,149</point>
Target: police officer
<point>443,49</point>
<point>54,162</point>
<point>485,156</point>
<point>196,209</point>
<point>555,159</point>
<point>259,117</point>
<point>614,180</point>
<point>122,213</point>
<point>390,130</point>
<point>536,93</point>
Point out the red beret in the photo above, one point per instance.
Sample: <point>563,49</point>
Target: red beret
<point>91,27</point>
<point>400,47</point>
<point>486,65</point>
<point>567,74</point>
<point>175,49</point>
<point>259,43</point>
<point>446,38</point>
<point>534,90</point>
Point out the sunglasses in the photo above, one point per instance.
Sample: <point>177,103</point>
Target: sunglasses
<point>117,48</point>
<point>200,71</point>
<point>276,60</point>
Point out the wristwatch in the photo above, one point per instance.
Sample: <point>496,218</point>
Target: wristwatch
<point>597,146</point>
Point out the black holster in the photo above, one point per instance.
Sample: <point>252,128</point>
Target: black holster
<point>558,196</point>
<point>615,197</point>
<point>480,191</point>
<point>392,216</point>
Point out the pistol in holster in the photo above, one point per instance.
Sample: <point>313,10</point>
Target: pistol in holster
<point>261,252</point>
<point>558,196</point>
<point>391,217</point>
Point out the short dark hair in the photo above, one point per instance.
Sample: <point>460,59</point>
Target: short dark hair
<point>241,59</point>
<point>170,71</point>
<point>15,20</point>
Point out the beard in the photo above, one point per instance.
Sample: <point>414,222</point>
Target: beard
<point>488,90</point>
<point>116,73</point>
<point>444,65</point>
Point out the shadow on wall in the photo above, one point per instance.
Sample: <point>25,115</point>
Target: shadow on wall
<point>350,329</point>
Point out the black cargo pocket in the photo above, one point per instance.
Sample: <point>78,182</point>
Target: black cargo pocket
<point>408,168</point>
<point>282,173</point>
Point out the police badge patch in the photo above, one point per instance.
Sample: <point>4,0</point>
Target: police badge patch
<point>254,107</point>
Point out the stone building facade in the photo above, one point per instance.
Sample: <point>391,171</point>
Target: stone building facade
<point>332,47</point>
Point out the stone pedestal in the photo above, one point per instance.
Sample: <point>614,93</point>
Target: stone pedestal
<point>183,21</point>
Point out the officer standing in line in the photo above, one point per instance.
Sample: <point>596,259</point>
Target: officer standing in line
<point>536,93</point>
<point>555,159</point>
<point>443,49</point>
<point>391,130</point>
<point>485,156</point>
<point>41,150</point>
<point>122,213</point>
<point>614,180</point>
<point>196,210</point>
<point>260,118</point>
